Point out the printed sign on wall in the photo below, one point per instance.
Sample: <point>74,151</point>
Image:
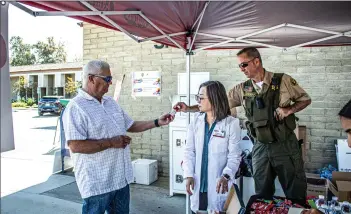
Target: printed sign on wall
<point>146,84</point>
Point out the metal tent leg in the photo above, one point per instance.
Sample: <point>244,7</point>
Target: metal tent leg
<point>7,139</point>
<point>187,204</point>
<point>64,152</point>
<point>188,83</point>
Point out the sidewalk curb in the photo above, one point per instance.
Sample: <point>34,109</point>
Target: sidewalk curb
<point>21,108</point>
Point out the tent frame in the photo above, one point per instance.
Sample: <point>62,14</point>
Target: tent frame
<point>191,35</point>
<point>242,39</point>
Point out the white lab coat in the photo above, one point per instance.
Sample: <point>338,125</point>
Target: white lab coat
<point>223,158</point>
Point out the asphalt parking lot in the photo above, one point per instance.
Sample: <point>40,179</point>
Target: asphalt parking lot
<point>33,133</point>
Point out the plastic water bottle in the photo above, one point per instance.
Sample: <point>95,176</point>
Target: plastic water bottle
<point>337,210</point>
<point>331,207</point>
<point>335,201</point>
<point>345,208</point>
<point>324,209</point>
<point>320,201</point>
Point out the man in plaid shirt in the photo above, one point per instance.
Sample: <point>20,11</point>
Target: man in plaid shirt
<point>95,129</point>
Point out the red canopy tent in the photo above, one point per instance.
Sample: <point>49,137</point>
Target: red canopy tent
<point>197,25</point>
<point>218,24</point>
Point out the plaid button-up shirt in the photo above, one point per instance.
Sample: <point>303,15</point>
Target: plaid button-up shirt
<point>86,118</point>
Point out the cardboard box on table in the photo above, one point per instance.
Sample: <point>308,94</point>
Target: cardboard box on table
<point>316,185</point>
<point>234,203</point>
<point>340,185</point>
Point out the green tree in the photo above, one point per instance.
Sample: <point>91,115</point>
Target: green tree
<point>19,87</point>
<point>72,87</point>
<point>50,52</point>
<point>21,53</point>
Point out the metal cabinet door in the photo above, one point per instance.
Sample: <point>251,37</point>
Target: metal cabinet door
<point>178,145</point>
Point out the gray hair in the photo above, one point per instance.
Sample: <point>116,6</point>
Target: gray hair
<point>93,67</point>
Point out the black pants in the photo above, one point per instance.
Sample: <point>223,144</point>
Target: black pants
<point>203,201</point>
<point>282,159</point>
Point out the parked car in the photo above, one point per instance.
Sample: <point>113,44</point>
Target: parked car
<point>49,104</point>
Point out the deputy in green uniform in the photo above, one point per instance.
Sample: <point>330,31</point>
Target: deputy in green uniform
<point>270,101</point>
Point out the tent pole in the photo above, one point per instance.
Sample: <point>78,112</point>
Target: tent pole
<point>23,8</point>
<point>188,83</point>
<point>187,55</point>
<point>197,28</point>
<point>7,139</point>
<point>109,20</point>
<point>163,36</point>
<point>187,203</point>
<point>161,31</point>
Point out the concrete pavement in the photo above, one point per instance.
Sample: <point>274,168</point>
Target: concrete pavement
<point>32,201</point>
<point>28,185</point>
<point>24,179</point>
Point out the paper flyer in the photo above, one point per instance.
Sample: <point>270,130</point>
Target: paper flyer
<point>146,84</point>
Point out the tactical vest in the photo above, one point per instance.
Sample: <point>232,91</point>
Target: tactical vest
<point>260,108</point>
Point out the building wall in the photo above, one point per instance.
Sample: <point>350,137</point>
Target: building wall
<point>324,72</point>
<point>50,78</point>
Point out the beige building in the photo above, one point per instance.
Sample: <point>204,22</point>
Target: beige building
<point>324,72</point>
<point>48,79</point>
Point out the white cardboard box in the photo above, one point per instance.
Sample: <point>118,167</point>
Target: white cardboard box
<point>248,188</point>
<point>145,171</point>
<point>343,154</point>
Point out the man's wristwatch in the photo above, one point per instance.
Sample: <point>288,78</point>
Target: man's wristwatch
<point>226,176</point>
<point>156,123</point>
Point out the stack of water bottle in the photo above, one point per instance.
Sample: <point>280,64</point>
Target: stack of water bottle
<point>333,206</point>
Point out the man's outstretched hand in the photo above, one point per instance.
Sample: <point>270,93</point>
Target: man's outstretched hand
<point>165,119</point>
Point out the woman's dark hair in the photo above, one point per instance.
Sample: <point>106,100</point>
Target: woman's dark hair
<point>346,110</point>
<point>218,98</point>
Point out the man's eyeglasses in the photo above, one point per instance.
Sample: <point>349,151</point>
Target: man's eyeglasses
<point>199,99</point>
<point>107,79</point>
<point>245,64</point>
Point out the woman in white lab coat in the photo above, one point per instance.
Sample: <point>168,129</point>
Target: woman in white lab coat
<point>212,153</point>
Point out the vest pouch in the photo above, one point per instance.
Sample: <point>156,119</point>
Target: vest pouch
<point>290,122</point>
<point>263,131</point>
<point>250,130</point>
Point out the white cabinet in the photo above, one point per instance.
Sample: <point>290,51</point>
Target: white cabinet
<point>196,80</point>
<point>177,141</point>
<point>177,145</point>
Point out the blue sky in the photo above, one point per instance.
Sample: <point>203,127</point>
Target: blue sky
<point>33,29</point>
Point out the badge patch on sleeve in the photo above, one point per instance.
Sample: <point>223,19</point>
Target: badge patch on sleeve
<point>293,81</point>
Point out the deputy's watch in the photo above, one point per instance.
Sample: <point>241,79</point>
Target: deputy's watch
<point>226,176</point>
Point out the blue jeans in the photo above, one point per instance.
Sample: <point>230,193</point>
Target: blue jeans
<point>115,202</point>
